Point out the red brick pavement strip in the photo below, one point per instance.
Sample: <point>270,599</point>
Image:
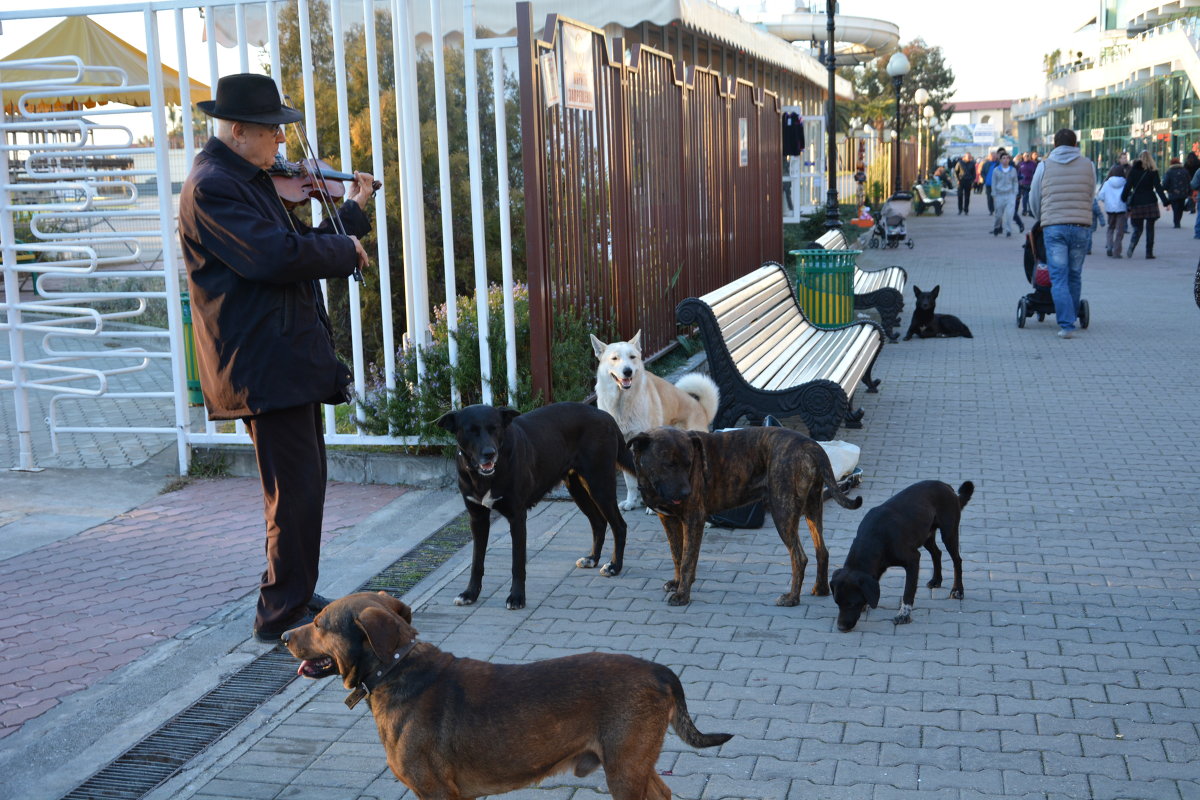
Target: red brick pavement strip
<point>76,610</point>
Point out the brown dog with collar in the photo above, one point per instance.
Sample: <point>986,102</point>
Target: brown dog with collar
<point>686,475</point>
<point>457,728</point>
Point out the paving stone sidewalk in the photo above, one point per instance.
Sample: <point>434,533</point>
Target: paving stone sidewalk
<point>1069,671</point>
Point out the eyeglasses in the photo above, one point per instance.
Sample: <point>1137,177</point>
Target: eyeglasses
<point>274,130</point>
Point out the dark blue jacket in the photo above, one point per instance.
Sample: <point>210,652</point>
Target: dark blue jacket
<point>263,340</point>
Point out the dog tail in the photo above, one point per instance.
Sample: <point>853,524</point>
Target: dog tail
<point>964,493</point>
<point>705,391</point>
<point>831,482</point>
<point>681,721</point>
<point>624,455</point>
<point>967,333</point>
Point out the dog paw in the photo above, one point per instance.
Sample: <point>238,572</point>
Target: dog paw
<point>902,619</point>
<point>956,594</point>
<point>587,562</point>
<point>677,599</point>
<point>821,589</point>
<point>466,599</point>
<point>789,600</point>
<point>671,585</point>
<point>610,570</point>
<point>628,505</point>
<point>934,583</point>
<point>515,602</point>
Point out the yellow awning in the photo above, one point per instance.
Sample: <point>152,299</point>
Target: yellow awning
<point>97,47</point>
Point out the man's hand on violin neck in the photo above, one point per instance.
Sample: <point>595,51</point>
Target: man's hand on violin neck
<point>363,260</point>
<point>361,188</point>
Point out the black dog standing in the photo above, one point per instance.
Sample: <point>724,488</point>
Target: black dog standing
<point>892,535</point>
<point>926,324</point>
<point>508,461</point>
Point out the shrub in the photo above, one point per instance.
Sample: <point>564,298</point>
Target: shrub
<point>412,408</point>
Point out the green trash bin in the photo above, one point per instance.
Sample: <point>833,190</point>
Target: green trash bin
<point>825,285</point>
<point>195,396</point>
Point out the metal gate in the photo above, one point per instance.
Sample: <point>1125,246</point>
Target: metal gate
<point>88,221</point>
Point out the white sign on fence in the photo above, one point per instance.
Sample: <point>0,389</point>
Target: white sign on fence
<point>743,142</point>
<point>578,68</point>
<point>1097,134</point>
<point>550,80</point>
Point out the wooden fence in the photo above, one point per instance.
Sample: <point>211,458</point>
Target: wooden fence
<point>646,182</point>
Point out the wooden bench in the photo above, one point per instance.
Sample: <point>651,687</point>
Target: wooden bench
<point>767,358</point>
<point>880,289</point>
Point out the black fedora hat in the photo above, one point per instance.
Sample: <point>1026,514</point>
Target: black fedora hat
<point>247,97</point>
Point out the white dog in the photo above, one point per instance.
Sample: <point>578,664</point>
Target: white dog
<point>640,400</point>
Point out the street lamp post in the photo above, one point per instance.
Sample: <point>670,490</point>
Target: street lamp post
<point>919,97</point>
<point>832,215</point>
<point>897,67</point>
<point>927,113</point>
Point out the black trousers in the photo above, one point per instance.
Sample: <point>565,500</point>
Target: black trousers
<point>290,448</point>
<point>1177,210</point>
<point>964,197</point>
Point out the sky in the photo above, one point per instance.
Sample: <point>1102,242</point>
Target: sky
<point>995,50</point>
<point>994,55</point>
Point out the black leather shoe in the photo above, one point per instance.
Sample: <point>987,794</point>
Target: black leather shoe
<point>271,634</point>
<point>317,602</point>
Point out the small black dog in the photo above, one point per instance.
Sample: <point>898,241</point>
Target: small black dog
<point>508,461</point>
<point>926,324</point>
<point>891,535</point>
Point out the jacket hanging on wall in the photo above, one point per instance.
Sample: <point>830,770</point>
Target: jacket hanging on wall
<point>793,134</point>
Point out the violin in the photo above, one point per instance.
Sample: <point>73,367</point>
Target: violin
<point>310,179</point>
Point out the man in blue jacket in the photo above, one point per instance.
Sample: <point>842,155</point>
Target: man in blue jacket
<point>264,345</point>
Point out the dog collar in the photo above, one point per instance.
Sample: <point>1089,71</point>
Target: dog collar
<point>372,681</point>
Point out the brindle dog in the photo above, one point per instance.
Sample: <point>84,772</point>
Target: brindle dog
<point>686,475</point>
<point>456,728</point>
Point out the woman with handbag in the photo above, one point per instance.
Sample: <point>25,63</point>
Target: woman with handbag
<point>1139,194</point>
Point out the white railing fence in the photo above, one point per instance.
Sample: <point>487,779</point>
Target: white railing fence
<point>88,217</point>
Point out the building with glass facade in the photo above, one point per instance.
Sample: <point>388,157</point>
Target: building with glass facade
<point>1125,81</point>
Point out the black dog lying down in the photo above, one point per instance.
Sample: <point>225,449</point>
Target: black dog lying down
<point>891,535</point>
<point>508,461</point>
<point>926,324</point>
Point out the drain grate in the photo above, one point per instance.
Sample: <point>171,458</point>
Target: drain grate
<point>153,760</point>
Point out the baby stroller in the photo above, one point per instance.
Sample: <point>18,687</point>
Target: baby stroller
<point>1039,301</point>
<point>889,230</point>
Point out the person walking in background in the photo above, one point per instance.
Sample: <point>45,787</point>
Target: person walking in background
<point>1004,195</point>
<point>966,175</point>
<point>1195,186</point>
<point>1025,170</point>
<point>1175,184</point>
<point>264,343</point>
<point>1191,163</point>
<point>985,175</point>
<point>1141,187</point>
<point>1115,208</point>
<point>1060,195</point>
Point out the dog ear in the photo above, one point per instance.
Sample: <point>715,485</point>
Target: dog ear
<point>835,582</point>
<point>870,589</point>
<point>916,290</point>
<point>447,421</point>
<point>935,290</point>
<point>597,346</point>
<point>701,452</point>
<point>636,341</point>
<point>508,414</point>
<point>383,631</point>
<point>639,442</point>
<point>395,605</point>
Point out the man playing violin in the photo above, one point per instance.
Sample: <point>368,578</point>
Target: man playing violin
<point>264,343</point>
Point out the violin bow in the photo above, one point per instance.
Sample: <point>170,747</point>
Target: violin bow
<point>322,196</point>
